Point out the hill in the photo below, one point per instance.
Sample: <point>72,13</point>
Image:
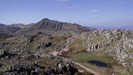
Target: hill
<point>39,47</point>
<point>48,26</point>
<point>7,31</point>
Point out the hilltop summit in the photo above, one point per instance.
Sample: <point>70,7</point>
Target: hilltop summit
<point>51,26</point>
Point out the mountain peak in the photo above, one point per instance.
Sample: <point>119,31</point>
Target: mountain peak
<point>45,19</point>
<point>49,26</point>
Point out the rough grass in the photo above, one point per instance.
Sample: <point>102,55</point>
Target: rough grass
<point>85,57</point>
<point>130,50</point>
<point>58,39</point>
<point>120,70</point>
<point>77,46</point>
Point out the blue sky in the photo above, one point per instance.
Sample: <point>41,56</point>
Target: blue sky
<point>86,12</point>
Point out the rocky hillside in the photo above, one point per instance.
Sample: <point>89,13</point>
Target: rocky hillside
<point>8,28</point>
<point>48,26</point>
<point>41,47</point>
<point>115,44</point>
<point>7,31</point>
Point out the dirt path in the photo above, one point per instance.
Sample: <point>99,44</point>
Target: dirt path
<point>85,68</point>
<point>81,66</point>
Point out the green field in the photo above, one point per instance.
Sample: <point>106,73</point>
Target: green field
<point>85,57</point>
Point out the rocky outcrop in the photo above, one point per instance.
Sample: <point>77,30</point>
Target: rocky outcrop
<point>118,43</point>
